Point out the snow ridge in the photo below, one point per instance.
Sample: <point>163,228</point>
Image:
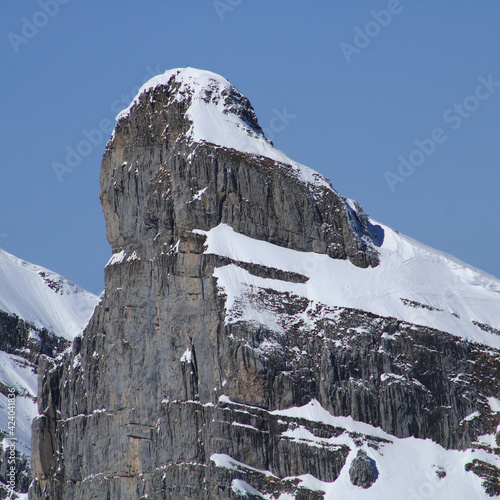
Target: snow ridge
<point>43,298</point>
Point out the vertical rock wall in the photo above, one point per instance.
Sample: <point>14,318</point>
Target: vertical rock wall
<point>135,409</point>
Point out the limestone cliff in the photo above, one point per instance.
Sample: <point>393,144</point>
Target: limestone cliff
<point>213,367</point>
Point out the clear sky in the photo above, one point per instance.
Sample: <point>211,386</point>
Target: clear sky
<point>397,102</point>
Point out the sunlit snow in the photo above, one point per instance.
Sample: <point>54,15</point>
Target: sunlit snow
<point>43,298</point>
<point>455,294</point>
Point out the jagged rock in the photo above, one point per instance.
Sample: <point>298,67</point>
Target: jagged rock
<point>27,342</point>
<point>489,473</point>
<point>173,393</point>
<point>24,339</point>
<point>363,470</point>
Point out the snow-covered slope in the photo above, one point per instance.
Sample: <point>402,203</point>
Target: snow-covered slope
<point>413,282</point>
<point>43,298</point>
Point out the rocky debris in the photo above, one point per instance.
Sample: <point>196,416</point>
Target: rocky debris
<point>440,472</point>
<point>363,470</point>
<point>486,328</point>
<point>417,305</point>
<point>56,285</point>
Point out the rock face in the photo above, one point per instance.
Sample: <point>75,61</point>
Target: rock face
<point>168,396</point>
<point>25,343</point>
<point>21,338</point>
<point>363,471</point>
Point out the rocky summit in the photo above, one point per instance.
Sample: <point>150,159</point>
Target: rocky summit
<point>259,335</point>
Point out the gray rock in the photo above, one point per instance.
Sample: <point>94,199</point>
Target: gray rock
<point>24,339</point>
<point>29,342</point>
<point>363,470</point>
<point>134,408</point>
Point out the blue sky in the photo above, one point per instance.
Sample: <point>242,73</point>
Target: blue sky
<point>397,102</point>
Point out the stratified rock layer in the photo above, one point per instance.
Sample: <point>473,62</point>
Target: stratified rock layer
<point>161,393</point>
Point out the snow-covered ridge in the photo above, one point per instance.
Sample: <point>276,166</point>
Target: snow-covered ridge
<point>213,122</point>
<point>413,282</point>
<point>43,298</point>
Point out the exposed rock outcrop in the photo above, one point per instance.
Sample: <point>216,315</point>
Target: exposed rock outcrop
<point>363,471</point>
<point>27,343</point>
<point>173,393</point>
<point>24,339</point>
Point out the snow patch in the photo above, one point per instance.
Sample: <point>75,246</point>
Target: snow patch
<point>187,356</point>
<point>494,404</point>
<point>116,258</point>
<point>198,195</point>
<point>392,377</point>
<point>241,487</point>
<point>470,417</point>
<point>134,256</point>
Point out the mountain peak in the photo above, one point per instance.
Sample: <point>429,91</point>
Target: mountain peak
<point>217,114</point>
<point>258,328</point>
<point>194,128</point>
<point>190,81</point>
<point>215,106</point>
